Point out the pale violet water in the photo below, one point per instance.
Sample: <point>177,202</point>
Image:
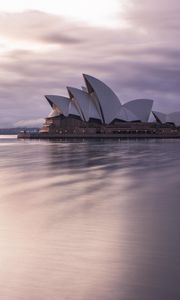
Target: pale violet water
<point>87,220</point>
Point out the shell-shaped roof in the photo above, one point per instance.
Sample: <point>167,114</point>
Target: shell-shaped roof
<point>174,118</point>
<point>98,101</point>
<point>73,110</point>
<point>141,108</point>
<point>126,115</point>
<point>65,106</point>
<point>61,102</point>
<point>108,102</point>
<point>160,117</point>
<point>74,95</point>
<point>54,113</point>
<point>84,103</point>
<point>167,118</point>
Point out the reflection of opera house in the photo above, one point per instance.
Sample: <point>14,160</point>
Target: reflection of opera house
<point>97,110</point>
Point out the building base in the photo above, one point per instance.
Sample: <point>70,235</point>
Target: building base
<point>57,136</point>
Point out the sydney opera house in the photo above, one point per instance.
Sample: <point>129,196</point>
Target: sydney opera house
<point>98,103</point>
<point>96,109</point>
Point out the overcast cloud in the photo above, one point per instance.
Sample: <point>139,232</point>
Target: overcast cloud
<point>140,59</point>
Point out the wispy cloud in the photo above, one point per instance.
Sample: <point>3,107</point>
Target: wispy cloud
<point>29,123</point>
<point>42,53</point>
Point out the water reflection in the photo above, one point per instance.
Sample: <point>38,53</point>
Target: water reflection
<point>89,220</point>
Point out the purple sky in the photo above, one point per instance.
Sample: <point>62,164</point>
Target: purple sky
<point>42,52</point>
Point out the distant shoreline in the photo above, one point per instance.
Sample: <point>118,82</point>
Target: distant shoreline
<point>16,130</point>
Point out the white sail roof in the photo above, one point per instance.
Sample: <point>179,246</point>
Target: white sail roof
<point>84,103</point>
<point>168,118</point>
<point>98,101</point>
<point>174,118</point>
<point>62,103</point>
<point>54,113</point>
<point>126,115</point>
<point>108,102</point>
<point>73,110</point>
<point>160,117</point>
<point>141,108</point>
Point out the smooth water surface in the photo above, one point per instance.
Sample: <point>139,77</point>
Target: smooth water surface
<point>89,220</point>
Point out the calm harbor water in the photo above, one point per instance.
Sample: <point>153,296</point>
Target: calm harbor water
<point>89,220</point>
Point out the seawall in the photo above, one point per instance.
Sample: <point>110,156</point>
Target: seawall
<point>28,135</point>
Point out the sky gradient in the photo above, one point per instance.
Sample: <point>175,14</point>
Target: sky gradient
<point>133,46</point>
